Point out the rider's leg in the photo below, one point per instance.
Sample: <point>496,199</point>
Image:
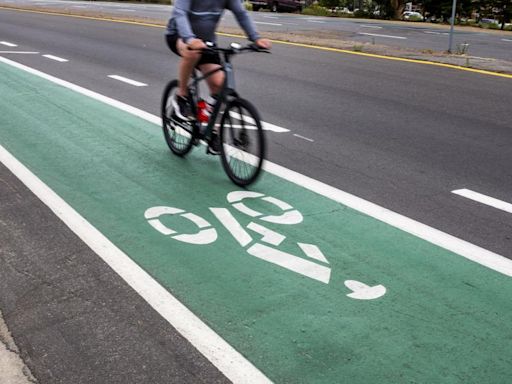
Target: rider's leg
<point>216,80</point>
<point>189,60</point>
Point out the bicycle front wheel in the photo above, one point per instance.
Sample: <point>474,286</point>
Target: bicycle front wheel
<point>243,142</point>
<point>178,135</point>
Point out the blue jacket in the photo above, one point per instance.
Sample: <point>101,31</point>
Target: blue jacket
<point>199,19</point>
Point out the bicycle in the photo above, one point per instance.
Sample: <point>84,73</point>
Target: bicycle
<point>240,126</point>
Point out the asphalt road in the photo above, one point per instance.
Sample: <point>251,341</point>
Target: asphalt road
<point>401,135</point>
<point>420,36</point>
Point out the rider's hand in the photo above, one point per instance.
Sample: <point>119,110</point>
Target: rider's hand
<point>264,43</point>
<point>196,44</point>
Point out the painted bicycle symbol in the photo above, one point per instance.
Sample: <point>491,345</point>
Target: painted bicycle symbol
<point>313,265</point>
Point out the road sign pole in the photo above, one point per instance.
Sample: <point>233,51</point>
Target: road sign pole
<point>454,6</point>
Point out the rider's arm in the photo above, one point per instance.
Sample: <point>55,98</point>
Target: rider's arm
<point>180,15</point>
<point>242,16</point>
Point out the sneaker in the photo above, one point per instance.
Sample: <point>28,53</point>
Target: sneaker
<point>181,108</point>
<point>214,144</point>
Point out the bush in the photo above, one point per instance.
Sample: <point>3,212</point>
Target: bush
<point>248,5</point>
<point>361,14</point>
<point>316,10</point>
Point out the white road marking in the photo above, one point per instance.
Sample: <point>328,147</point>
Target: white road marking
<point>271,17</point>
<point>78,6</point>
<point>509,40</point>
<point>387,36</point>
<point>444,240</point>
<point>128,81</point>
<point>435,33</point>
<point>127,10</point>
<point>304,138</point>
<point>21,52</point>
<point>56,58</point>
<point>265,23</point>
<point>484,199</point>
<point>316,21</point>
<point>7,44</point>
<point>371,26</point>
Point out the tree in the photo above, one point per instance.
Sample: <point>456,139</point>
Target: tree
<point>330,3</point>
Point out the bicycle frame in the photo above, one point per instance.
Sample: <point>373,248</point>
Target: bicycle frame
<point>228,89</point>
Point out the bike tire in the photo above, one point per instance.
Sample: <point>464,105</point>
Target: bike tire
<point>178,138</point>
<point>239,122</point>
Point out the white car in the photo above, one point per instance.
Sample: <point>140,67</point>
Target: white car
<point>408,15</point>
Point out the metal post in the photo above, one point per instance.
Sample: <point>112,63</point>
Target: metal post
<point>454,6</point>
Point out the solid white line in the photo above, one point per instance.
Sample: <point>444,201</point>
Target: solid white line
<point>128,81</point>
<point>451,243</point>
<point>7,44</point>
<point>303,137</point>
<point>20,52</point>
<point>509,40</point>
<point>265,23</point>
<point>484,199</point>
<point>56,58</point>
<point>371,26</point>
<point>389,36</point>
<point>230,362</point>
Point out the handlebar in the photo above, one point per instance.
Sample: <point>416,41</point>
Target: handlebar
<point>231,50</point>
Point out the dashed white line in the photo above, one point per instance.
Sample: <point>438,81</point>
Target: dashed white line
<point>7,44</point>
<point>316,21</point>
<point>435,33</point>
<point>509,40</point>
<point>371,26</point>
<point>484,199</point>
<point>265,23</point>
<point>304,138</point>
<point>128,81</point>
<point>271,17</point>
<point>388,36</point>
<point>56,58</point>
<point>127,10</point>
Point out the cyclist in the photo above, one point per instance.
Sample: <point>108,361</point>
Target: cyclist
<point>192,23</point>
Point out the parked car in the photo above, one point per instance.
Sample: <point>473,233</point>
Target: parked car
<point>411,15</point>
<point>278,5</point>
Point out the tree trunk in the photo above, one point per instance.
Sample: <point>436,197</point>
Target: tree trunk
<point>398,6</point>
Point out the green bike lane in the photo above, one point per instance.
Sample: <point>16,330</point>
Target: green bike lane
<point>276,273</point>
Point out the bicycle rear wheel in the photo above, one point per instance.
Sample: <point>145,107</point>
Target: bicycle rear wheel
<point>178,135</point>
<point>243,142</point>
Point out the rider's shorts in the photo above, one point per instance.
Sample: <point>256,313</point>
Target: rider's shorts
<point>206,58</point>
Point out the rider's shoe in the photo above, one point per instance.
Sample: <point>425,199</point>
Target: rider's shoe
<point>214,144</point>
<point>182,109</point>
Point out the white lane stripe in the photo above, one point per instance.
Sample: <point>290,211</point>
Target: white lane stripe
<point>509,40</point>
<point>230,362</point>
<point>265,23</point>
<point>7,44</point>
<point>304,138</point>
<point>271,17</point>
<point>20,52</point>
<point>451,243</point>
<point>378,35</point>
<point>435,33</point>
<point>316,21</point>
<point>484,199</point>
<point>371,26</point>
<point>128,81</point>
<point>56,58</point>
